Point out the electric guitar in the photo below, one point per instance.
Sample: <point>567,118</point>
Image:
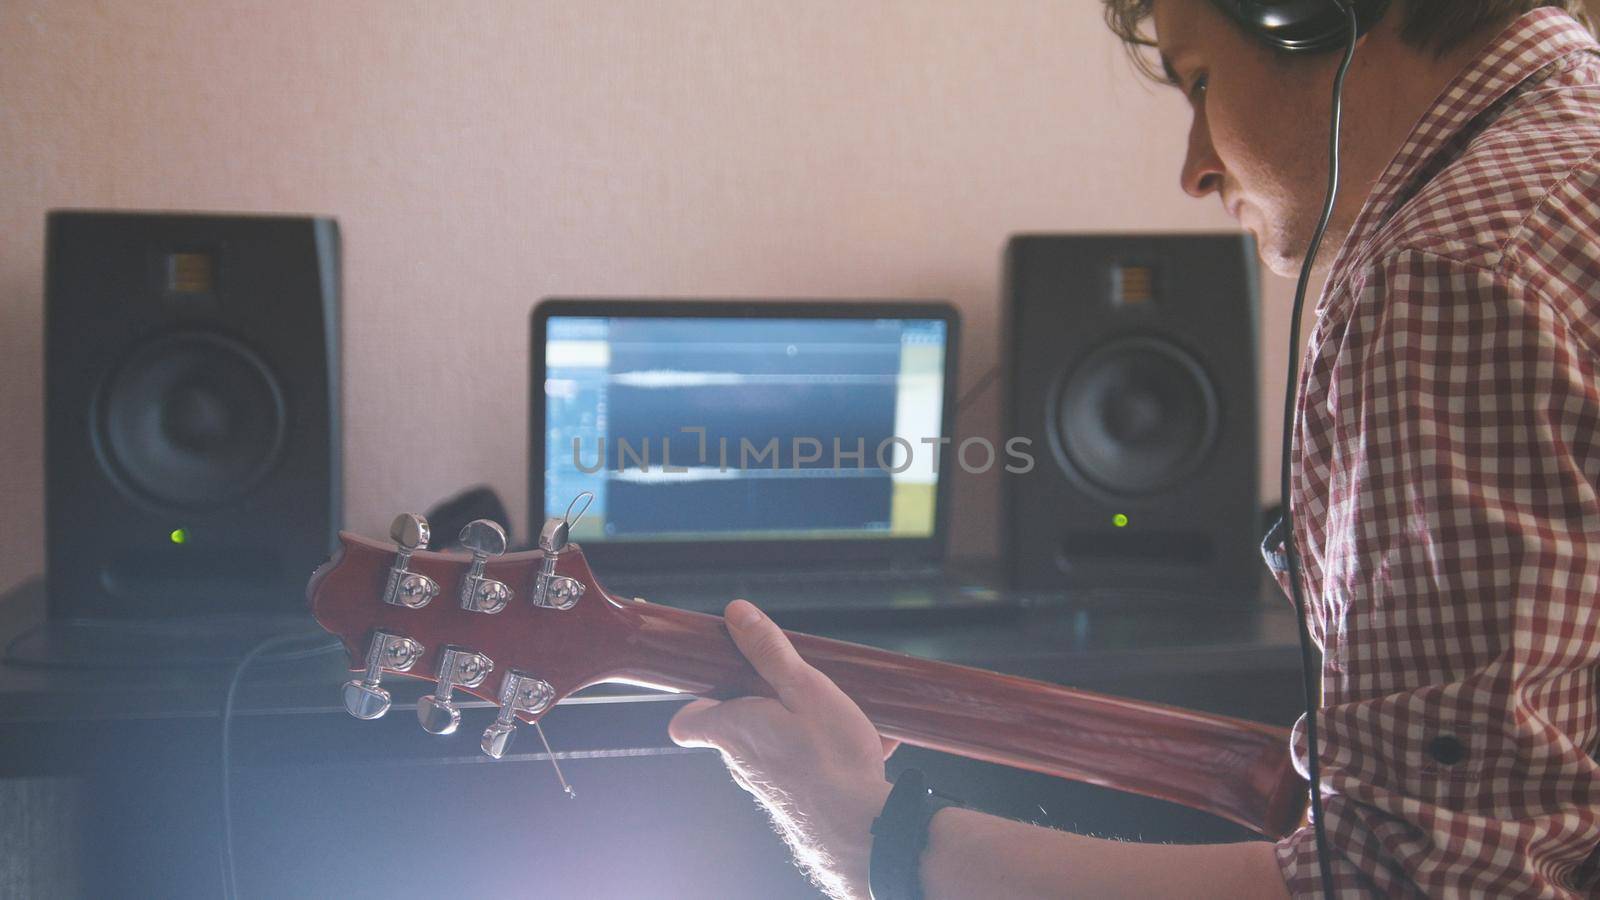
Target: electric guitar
<point>528,629</point>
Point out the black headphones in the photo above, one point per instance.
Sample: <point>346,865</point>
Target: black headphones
<point>1302,26</point>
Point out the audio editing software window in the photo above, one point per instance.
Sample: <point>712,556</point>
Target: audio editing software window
<point>741,428</point>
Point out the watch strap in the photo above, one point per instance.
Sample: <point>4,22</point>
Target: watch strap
<point>899,835</point>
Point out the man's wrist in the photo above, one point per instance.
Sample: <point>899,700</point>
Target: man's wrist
<point>858,843</point>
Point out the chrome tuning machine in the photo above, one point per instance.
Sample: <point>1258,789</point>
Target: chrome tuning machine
<point>457,668</point>
<point>406,588</point>
<point>549,589</point>
<point>518,693</point>
<point>363,698</point>
<point>478,592</point>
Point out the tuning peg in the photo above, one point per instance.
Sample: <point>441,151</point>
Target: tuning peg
<point>553,537</point>
<point>406,588</point>
<point>363,698</point>
<point>478,593</point>
<point>550,590</point>
<point>457,668</point>
<point>518,693</point>
<point>410,531</point>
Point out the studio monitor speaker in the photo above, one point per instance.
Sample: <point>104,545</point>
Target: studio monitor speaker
<point>1133,374</point>
<point>192,439</point>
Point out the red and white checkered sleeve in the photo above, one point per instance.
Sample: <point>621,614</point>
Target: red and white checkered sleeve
<point>1460,585</point>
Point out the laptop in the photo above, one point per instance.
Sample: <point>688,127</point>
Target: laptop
<point>792,452</point>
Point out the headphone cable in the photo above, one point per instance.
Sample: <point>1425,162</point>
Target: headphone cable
<point>1311,677</point>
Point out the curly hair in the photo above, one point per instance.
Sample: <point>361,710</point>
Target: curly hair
<point>1437,25</point>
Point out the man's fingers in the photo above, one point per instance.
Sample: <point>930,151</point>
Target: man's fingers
<point>695,725</point>
<point>769,651</point>
<point>725,725</point>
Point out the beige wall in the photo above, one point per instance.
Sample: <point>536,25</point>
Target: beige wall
<point>482,155</point>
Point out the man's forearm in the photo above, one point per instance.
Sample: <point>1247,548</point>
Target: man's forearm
<point>970,854</point>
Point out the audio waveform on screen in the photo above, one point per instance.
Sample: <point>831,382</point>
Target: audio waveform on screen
<point>676,378</point>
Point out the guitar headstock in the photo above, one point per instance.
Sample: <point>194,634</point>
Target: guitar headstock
<point>522,630</point>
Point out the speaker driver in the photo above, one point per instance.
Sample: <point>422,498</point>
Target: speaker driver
<point>1136,417</point>
<point>191,420</point>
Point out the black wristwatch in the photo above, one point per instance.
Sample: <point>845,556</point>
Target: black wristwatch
<point>899,834</point>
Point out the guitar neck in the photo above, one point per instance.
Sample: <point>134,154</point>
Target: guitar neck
<point>1235,769</point>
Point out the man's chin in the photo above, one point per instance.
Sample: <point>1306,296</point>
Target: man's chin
<point>1283,251</point>
<point>1273,255</point>
<point>1279,264</point>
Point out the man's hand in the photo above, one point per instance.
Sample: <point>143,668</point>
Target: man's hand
<point>810,756</point>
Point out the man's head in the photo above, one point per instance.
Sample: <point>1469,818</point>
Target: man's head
<point>1259,133</point>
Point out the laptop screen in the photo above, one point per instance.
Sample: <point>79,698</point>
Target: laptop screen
<point>724,423</point>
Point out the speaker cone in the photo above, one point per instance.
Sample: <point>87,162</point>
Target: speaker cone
<point>190,420</point>
<point>1136,417</point>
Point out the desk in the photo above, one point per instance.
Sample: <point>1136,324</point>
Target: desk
<point>120,769</point>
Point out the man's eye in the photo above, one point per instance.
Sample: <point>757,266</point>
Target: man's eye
<point>1197,88</point>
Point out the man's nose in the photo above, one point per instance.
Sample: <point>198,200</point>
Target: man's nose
<point>1202,170</point>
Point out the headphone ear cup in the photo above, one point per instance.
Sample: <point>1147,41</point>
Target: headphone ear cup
<point>1302,26</point>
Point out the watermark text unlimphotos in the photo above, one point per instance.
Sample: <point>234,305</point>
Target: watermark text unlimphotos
<point>975,455</point>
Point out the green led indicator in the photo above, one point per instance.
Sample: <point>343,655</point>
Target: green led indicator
<point>1119,520</point>
<point>179,535</point>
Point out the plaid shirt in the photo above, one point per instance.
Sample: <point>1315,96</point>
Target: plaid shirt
<point>1447,451</point>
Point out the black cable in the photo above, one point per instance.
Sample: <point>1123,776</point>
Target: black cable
<point>230,886</point>
<point>1311,677</point>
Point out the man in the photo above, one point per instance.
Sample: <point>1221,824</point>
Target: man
<point>1447,470</point>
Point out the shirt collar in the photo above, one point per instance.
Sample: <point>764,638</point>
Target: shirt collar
<point>1531,43</point>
